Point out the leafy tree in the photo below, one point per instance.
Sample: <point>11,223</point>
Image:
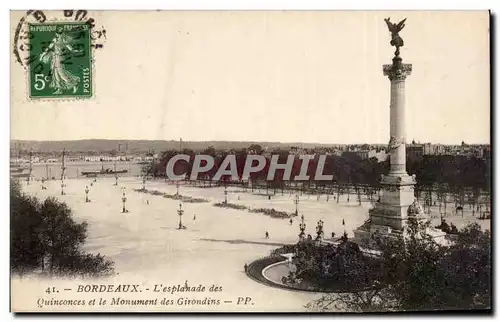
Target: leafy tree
<point>467,270</point>
<point>210,151</point>
<point>85,265</point>
<point>60,234</point>
<point>419,274</point>
<point>256,148</point>
<point>45,236</point>
<point>25,221</point>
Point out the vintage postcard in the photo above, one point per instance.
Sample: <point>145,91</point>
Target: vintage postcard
<point>250,161</point>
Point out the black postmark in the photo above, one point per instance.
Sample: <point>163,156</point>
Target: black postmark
<point>23,37</point>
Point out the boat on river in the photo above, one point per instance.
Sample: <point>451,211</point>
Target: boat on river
<point>103,172</point>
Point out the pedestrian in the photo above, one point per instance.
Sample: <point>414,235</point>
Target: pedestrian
<point>194,217</point>
<point>246,267</point>
<point>291,221</point>
<point>267,235</point>
<point>327,198</point>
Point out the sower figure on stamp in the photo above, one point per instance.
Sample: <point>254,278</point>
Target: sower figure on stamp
<point>62,79</point>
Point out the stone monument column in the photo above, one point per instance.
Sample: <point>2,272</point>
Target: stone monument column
<point>397,73</point>
<point>397,187</point>
<point>397,199</point>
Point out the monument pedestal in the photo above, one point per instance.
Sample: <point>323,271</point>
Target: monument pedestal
<point>388,217</point>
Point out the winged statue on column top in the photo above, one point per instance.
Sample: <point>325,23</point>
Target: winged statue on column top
<point>394,28</point>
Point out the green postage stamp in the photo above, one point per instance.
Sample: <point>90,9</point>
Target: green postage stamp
<point>61,60</point>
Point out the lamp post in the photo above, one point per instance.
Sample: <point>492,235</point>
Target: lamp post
<point>124,200</point>
<point>319,230</point>
<point>28,178</point>
<point>344,236</point>
<point>87,194</point>
<point>302,227</point>
<point>180,212</point>
<point>63,163</point>
<point>225,194</point>
<point>296,202</point>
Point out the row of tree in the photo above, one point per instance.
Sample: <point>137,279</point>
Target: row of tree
<point>443,172</point>
<point>45,239</point>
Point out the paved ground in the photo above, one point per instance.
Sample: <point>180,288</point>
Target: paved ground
<point>147,248</point>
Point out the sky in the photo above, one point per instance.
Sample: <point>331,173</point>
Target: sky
<point>270,76</point>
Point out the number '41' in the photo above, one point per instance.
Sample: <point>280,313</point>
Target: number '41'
<point>51,290</point>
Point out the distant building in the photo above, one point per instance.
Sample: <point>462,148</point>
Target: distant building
<point>363,154</point>
<point>380,155</point>
<point>18,160</point>
<point>434,149</point>
<point>429,149</point>
<point>439,149</point>
<point>487,153</point>
<point>337,152</point>
<point>479,153</point>
<point>414,151</point>
<point>93,158</point>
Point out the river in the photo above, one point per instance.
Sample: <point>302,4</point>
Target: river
<point>74,169</point>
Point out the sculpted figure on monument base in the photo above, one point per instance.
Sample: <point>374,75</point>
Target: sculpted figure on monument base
<point>395,143</point>
<point>415,209</point>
